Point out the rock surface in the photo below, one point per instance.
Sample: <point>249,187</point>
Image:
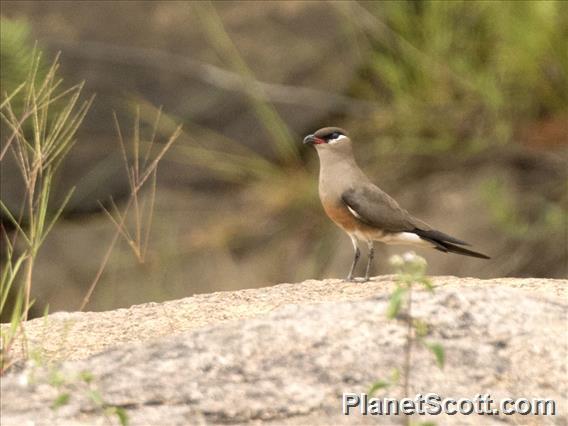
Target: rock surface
<point>285,354</point>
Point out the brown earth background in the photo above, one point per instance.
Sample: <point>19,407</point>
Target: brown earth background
<point>450,113</point>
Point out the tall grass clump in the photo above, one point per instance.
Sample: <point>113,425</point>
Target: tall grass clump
<point>460,76</point>
<point>37,140</point>
<point>38,136</point>
<point>16,56</point>
<point>133,221</point>
<point>478,86</point>
<point>276,181</point>
<point>282,137</point>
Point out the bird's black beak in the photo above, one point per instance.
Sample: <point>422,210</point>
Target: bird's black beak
<point>309,140</point>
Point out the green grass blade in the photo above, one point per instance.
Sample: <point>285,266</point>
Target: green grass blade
<point>55,217</point>
<point>14,221</point>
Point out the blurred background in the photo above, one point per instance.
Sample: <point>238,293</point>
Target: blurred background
<point>457,109</point>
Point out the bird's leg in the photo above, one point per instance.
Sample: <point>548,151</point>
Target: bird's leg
<point>370,259</point>
<point>357,254</point>
<point>355,259</point>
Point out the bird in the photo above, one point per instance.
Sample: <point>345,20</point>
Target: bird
<point>363,210</point>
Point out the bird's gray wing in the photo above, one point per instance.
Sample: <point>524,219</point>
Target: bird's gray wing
<point>374,207</point>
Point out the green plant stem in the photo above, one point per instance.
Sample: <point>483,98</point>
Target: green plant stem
<point>408,352</point>
<point>32,244</point>
<point>28,286</point>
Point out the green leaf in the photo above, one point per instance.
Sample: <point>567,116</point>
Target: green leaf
<point>62,399</point>
<point>438,350</point>
<point>57,214</point>
<point>427,283</point>
<point>395,302</point>
<point>421,327</point>
<point>17,309</point>
<point>56,378</point>
<point>395,375</point>
<point>122,415</point>
<point>14,222</point>
<point>9,274</point>
<point>379,384</point>
<point>96,397</point>
<point>86,376</point>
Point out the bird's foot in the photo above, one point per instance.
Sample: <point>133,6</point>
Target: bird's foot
<point>356,279</point>
<point>367,278</point>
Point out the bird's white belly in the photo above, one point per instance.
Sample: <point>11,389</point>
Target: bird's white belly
<point>407,238</point>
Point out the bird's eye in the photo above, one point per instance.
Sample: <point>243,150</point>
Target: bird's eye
<point>334,135</point>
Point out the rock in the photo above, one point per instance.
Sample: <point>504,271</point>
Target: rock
<point>161,52</point>
<point>285,354</point>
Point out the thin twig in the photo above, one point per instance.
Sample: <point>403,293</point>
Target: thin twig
<point>213,75</point>
<point>150,215</point>
<point>103,264</point>
<point>136,180</point>
<point>158,157</point>
<point>119,224</point>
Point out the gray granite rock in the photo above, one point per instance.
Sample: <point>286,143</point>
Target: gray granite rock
<point>292,364</point>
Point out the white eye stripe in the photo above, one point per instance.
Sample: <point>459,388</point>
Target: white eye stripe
<point>337,139</point>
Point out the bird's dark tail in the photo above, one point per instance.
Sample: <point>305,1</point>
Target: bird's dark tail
<point>447,244</point>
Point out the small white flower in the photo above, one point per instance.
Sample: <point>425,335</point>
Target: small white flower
<point>410,257</point>
<point>396,260</point>
<point>23,380</point>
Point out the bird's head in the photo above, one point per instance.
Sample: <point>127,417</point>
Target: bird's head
<point>328,137</point>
